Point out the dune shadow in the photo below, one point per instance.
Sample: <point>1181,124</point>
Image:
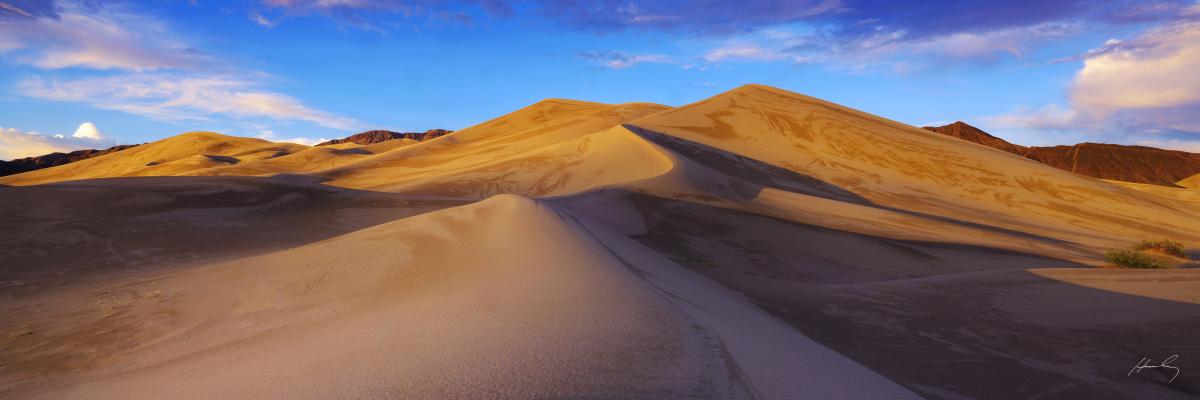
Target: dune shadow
<point>944,320</point>
<point>59,232</point>
<point>224,159</point>
<point>1002,334</point>
<point>767,245</point>
<point>757,175</point>
<point>1193,254</point>
<point>355,150</point>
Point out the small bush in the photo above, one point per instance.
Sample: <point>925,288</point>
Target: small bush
<point>1164,246</point>
<point>1132,259</point>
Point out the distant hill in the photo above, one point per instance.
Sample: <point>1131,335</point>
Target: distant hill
<point>176,155</point>
<point>54,159</point>
<point>1138,164</point>
<point>376,136</point>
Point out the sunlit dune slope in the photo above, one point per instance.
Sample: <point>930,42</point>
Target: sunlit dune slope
<point>549,148</point>
<point>1183,194</point>
<point>834,152</point>
<point>306,160</point>
<point>1192,182</point>
<point>176,155</point>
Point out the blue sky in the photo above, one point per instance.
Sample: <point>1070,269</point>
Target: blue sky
<point>1034,72</point>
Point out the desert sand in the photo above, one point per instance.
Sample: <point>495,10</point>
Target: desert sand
<point>1192,182</point>
<point>756,244</point>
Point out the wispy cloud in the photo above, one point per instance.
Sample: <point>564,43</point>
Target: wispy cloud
<point>176,97</point>
<point>1051,117</point>
<point>28,9</point>
<point>887,49</point>
<point>160,75</point>
<point>375,14</point>
<point>259,19</point>
<point>620,60</point>
<point>103,37</point>
<point>744,52</point>
<point>697,16</point>
<point>904,36</point>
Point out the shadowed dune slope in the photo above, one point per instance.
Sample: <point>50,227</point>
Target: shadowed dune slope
<point>944,318</point>
<point>176,155</point>
<point>67,233</point>
<point>397,312</point>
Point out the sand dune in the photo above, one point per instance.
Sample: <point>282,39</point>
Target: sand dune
<point>1192,182</point>
<point>832,149</point>
<point>541,292</point>
<point>553,147</point>
<point>77,229</point>
<point>172,156</point>
<point>757,244</point>
<point>1190,196</point>
<point>946,320</point>
<point>310,159</point>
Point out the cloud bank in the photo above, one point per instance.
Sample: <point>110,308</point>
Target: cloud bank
<point>1143,90</point>
<point>176,97</point>
<point>16,143</point>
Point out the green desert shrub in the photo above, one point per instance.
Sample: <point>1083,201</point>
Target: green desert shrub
<point>1164,246</point>
<point>1133,259</point>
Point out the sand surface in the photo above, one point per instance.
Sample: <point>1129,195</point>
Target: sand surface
<point>757,244</point>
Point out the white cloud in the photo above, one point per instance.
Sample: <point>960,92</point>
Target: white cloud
<point>1157,70</point>
<point>87,130</point>
<point>1130,91</point>
<point>300,140</point>
<point>103,37</point>
<point>15,143</point>
<point>176,97</point>
<point>268,134</point>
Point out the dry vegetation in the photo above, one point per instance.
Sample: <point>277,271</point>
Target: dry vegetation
<point>1125,258</point>
<point>1136,256</point>
<point>1162,246</point>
